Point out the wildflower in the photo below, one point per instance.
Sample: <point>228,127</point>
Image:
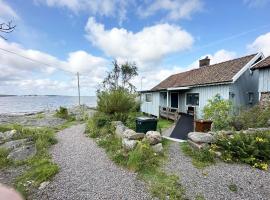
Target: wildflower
<point>259,139</point>
<point>264,166</point>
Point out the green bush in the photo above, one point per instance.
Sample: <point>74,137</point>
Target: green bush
<point>219,111</point>
<point>253,149</point>
<point>252,118</point>
<point>62,113</point>
<point>117,103</point>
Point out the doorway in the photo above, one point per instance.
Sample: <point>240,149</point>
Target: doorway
<point>174,100</point>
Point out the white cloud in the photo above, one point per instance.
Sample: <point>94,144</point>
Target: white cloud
<point>6,12</point>
<point>256,3</point>
<point>28,75</point>
<point>261,43</point>
<point>116,8</point>
<point>158,74</point>
<point>149,45</point>
<point>175,9</point>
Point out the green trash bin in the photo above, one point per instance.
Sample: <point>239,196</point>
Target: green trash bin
<point>144,124</point>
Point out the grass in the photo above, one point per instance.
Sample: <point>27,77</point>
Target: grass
<point>199,197</point>
<point>164,123</point>
<point>142,160</point>
<point>233,187</point>
<point>200,158</point>
<point>39,168</point>
<point>4,161</point>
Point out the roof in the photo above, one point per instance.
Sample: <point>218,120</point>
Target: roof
<point>213,74</point>
<point>265,63</point>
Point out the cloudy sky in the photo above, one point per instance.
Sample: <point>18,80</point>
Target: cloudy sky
<point>161,36</point>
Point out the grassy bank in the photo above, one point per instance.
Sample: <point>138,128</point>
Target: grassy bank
<point>40,167</point>
<point>142,159</point>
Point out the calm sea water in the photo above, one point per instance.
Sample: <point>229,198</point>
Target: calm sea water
<point>29,104</point>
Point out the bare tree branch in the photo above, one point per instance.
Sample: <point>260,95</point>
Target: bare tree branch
<point>6,28</point>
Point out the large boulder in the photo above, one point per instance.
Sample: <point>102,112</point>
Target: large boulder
<point>7,135</point>
<point>23,152</point>
<point>200,137</point>
<point>153,137</point>
<point>14,144</point>
<point>197,145</point>
<point>120,129</point>
<point>132,135</point>
<point>158,148</point>
<point>129,144</point>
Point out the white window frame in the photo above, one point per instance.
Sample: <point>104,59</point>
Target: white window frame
<point>193,94</point>
<point>146,99</point>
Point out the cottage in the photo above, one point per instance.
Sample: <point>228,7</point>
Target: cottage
<point>264,80</point>
<point>188,92</point>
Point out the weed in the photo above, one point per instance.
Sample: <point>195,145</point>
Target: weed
<point>200,158</point>
<point>4,161</point>
<point>233,187</point>
<point>199,197</point>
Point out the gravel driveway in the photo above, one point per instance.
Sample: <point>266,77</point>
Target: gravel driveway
<point>87,173</point>
<point>213,182</point>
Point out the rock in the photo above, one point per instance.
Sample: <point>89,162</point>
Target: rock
<point>158,148</point>
<point>129,144</point>
<point>7,135</point>
<point>23,152</point>
<point>197,145</point>
<point>200,137</point>
<point>218,154</point>
<point>153,137</point>
<point>117,123</point>
<point>43,185</point>
<point>137,136</point>
<point>226,132</point>
<point>120,129</point>
<point>132,135</point>
<point>14,144</point>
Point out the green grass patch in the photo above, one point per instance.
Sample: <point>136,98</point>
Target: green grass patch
<point>200,158</point>
<point>163,124</point>
<point>39,168</point>
<point>142,159</point>
<point>4,161</point>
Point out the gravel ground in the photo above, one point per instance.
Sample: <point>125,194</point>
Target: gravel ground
<point>213,182</point>
<point>87,173</point>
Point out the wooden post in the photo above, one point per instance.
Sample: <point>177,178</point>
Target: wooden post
<point>79,92</point>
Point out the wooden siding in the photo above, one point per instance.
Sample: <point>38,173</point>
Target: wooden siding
<point>247,83</point>
<point>205,93</point>
<point>151,108</point>
<point>264,80</point>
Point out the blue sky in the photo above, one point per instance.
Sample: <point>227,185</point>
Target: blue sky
<point>162,37</point>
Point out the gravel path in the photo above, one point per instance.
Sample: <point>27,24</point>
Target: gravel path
<point>87,173</point>
<point>213,182</point>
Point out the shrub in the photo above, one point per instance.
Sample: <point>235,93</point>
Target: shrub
<point>253,149</point>
<point>252,118</point>
<point>117,103</point>
<point>62,113</point>
<point>219,111</point>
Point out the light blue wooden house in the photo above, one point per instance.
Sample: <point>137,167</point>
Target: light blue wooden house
<point>188,92</point>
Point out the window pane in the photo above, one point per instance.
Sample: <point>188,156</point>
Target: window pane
<point>148,97</point>
<point>193,99</point>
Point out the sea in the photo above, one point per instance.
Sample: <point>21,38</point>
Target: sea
<point>32,104</point>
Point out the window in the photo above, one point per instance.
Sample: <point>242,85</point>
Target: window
<point>193,99</point>
<point>250,97</point>
<point>148,97</point>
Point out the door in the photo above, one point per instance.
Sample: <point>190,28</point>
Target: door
<point>174,100</point>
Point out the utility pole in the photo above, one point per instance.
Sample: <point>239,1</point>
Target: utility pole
<point>79,93</point>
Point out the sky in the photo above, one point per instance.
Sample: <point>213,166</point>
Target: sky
<point>162,37</point>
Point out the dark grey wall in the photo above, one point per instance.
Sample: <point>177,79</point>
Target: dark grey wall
<point>246,83</point>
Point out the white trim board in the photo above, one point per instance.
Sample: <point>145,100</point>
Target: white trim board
<point>174,139</point>
<point>247,66</point>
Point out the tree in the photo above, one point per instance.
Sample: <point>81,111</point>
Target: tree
<point>6,28</point>
<point>120,77</point>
